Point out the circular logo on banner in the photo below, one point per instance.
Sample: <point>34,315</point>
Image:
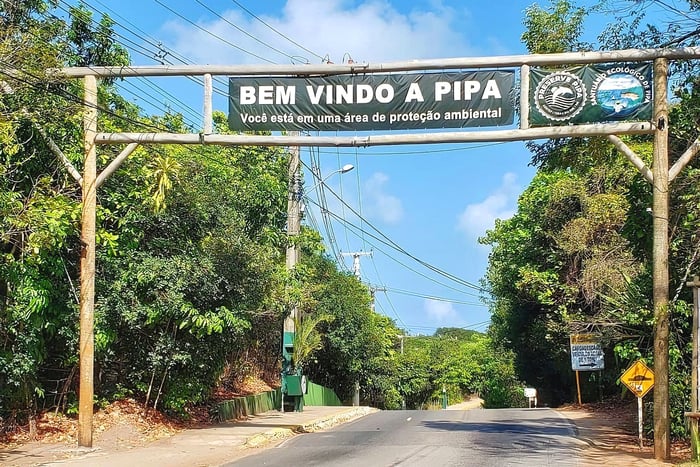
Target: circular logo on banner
<point>619,94</point>
<point>560,96</point>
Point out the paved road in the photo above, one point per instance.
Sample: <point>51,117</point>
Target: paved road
<point>505,437</point>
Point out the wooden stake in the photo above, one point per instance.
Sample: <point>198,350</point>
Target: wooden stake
<point>578,388</point>
<point>694,394</point>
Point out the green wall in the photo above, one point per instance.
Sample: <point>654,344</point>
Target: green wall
<point>320,395</point>
<point>241,407</point>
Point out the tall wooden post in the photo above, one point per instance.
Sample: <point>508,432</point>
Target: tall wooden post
<point>695,385</point>
<point>87,266</point>
<point>662,441</point>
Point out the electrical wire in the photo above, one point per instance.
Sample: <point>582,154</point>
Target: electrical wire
<point>187,109</point>
<point>433,297</point>
<point>417,152</point>
<point>159,54</point>
<point>246,32</point>
<point>397,247</point>
<point>252,54</point>
<point>320,194</point>
<point>319,189</point>
<point>406,266</point>
<point>276,31</point>
<point>393,309</point>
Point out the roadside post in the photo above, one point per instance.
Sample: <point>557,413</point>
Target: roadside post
<point>639,379</point>
<point>586,355</point>
<point>694,413</point>
<point>531,394</point>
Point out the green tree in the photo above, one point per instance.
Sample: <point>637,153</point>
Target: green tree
<point>577,254</point>
<point>557,29</point>
<point>357,343</point>
<point>39,204</point>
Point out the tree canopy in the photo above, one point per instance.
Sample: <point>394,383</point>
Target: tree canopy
<point>576,256</point>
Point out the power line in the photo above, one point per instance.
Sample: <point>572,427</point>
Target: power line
<point>276,31</point>
<point>246,32</point>
<point>433,297</point>
<point>402,250</point>
<point>212,34</point>
<point>406,266</point>
<point>417,152</point>
<point>147,53</point>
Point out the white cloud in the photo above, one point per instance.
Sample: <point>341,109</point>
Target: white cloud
<point>440,311</point>
<point>378,203</point>
<point>501,204</point>
<point>371,31</point>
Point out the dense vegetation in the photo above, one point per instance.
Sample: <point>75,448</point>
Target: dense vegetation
<point>576,257</point>
<point>192,287</point>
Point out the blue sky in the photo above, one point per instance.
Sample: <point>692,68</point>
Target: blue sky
<point>433,201</point>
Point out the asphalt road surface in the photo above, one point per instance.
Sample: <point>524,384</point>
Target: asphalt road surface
<point>503,437</point>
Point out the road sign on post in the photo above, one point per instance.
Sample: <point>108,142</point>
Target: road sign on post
<point>639,379</point>
<point>586,353</point>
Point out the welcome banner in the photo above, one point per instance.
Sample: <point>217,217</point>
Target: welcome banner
<point>372,102</point>
<point>590,94</point>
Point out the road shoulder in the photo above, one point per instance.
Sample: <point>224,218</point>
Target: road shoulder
<point>611,437</point>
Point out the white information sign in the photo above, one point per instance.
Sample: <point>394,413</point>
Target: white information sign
<point>586,353</point>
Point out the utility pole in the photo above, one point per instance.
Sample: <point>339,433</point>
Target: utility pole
<point>356,261</point>
<point>403,398</point>
<point>373,292</point>
<point>292,257</point>
<point>356,270</point>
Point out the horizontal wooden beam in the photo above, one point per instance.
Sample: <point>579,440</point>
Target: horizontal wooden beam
<point>565,131</point>
<point>571,58</point>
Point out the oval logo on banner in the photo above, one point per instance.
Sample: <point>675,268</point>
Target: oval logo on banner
<point>619,94</point>
<point>560,96</point>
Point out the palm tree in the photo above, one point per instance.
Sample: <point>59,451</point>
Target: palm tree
<point>307,339</point>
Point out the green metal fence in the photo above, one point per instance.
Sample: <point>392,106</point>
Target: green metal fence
<point>241,407</point>
<point>248,405</point>
<point>320,395</point>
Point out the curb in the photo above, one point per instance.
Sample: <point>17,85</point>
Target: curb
<point>262,439</point>
<point>319,424</point>
<point>328,422</point>
<point>577,431</point>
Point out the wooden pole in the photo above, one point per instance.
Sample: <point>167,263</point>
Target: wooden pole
<point>87,267</point>
<point>662,437</point>
<point>627,55</point>
<point>578,388</point>
<point>694,394</point>
<point>584,130</point>
<point>207,108</point>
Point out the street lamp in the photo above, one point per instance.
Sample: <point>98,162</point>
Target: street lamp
<point>344,169</point>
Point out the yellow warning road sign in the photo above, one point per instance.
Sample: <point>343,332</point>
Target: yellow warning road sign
<point>638,378</point>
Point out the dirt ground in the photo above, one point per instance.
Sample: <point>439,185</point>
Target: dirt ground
<point>611,432</point>
<point>120,426</point>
